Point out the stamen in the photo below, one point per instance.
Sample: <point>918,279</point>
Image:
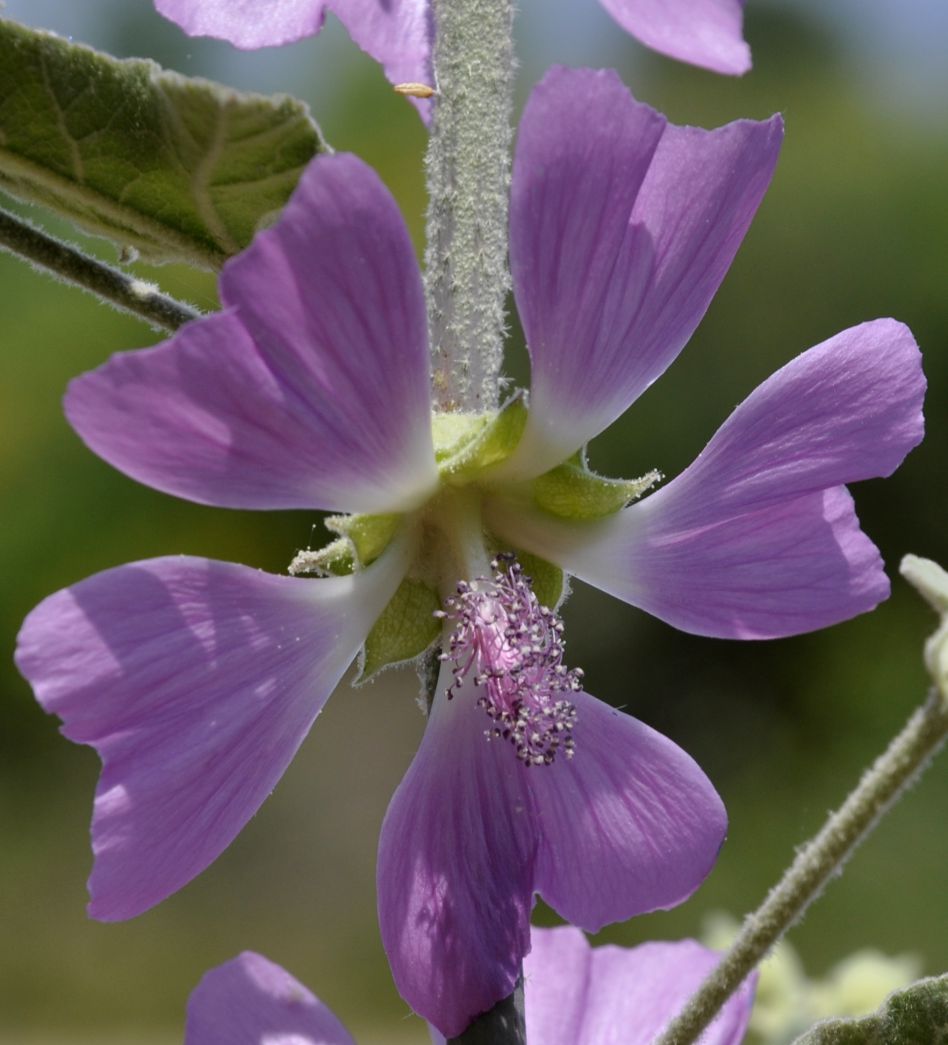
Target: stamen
<point>513,649</point>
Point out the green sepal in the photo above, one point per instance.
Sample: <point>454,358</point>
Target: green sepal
<point>548,581</point>
<point>479,440</point>
<point>917,1015</point>
<point>369,535</point>
<point>179,168</point>
<point>335,559</point>
<point>361,540</point>
<point>452,433</point>
<point>572,491</point>
<point>405,629</point>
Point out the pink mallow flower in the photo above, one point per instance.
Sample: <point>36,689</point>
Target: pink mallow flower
<point>197,680</point>
<point>573,995</point>
<point>399,33</point>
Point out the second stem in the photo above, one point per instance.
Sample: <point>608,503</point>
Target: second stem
<point>907,755</point>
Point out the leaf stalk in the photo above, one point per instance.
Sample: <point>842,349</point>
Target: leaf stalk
<point>109,284</point>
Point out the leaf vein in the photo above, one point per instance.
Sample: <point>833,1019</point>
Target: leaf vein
<point>77,165</point>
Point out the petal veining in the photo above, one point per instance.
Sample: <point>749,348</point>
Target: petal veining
<point>455,881</point>
<point>621,230</point>
<point>309,391</point>
<point>758,537</point>
<point>631,824</point>
<point>472,833</point>
<point>195,681</point>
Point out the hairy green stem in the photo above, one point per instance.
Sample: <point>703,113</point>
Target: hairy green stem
<point>906,756</point>
<point>109,284</point>
<point>468,171</point>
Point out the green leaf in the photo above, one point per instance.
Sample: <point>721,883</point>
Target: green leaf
<point>917,1015</point>
<point>406,628</point>
<point>181,169</point>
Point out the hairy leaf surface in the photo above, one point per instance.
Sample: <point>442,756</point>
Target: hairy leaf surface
<point>179,168</point>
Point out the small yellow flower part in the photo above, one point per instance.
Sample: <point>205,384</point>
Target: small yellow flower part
<point>414,90</point>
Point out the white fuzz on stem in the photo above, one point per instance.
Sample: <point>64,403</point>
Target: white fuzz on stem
<point>468,171</point>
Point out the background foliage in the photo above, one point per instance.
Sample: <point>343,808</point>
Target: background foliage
<point>854,227</point>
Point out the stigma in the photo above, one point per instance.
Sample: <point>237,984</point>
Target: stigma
<point>512,647</point>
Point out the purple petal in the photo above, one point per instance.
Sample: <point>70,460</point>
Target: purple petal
<point>246,23</point>
<point>621,229</point>
<point>597,996</point>
<point>631,824</point>
<point>310,391</point>
<point>757,538</point>
<point>707,33</point>
<point>556,986</point>
<point>253,1001</point>
<point>628,825</point>
<point>397,33</point>
<point>195,681</point>
<point>455,870</point>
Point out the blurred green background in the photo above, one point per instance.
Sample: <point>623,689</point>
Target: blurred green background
<point>854,227</point>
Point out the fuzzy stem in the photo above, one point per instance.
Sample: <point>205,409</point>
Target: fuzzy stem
<point>906,756</point>
<point>68,263</point>
<point>468,171</point>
